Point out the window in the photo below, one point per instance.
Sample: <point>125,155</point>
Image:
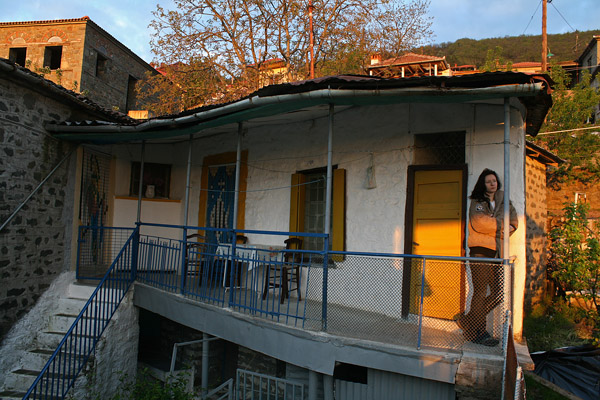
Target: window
<point>101,62</point>
<point>446,148</point>
<point>307,207</point>
<point>156,181</point>
<point>18,55</point>
<point>131,96</point>
<point>52,57</point>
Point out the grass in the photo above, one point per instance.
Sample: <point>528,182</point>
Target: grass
<point>537,391</point>
<point>552,325</point>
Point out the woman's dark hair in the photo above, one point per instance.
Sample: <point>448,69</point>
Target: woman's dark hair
<point>478,192</point>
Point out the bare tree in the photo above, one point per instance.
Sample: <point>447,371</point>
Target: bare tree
<point>235,38</point>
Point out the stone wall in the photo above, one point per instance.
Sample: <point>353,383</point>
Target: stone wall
<point>34,244</point>
<point>536,218</point>
<point>81,41</point>
<point>109,87</point>
<point>35,38</point>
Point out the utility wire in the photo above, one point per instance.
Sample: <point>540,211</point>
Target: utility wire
<point>561,15</point>
<point>535,12</point>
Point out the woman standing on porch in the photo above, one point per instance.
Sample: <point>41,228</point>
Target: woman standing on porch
<point>486,215</point>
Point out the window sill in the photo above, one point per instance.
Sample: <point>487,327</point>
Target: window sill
<point>147,199</point>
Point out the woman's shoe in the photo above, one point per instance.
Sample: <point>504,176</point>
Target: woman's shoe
<point>486,339</point>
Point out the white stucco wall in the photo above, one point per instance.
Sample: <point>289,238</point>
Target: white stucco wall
<point>375,218</point>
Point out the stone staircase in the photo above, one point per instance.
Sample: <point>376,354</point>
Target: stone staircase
<point>44,339</point>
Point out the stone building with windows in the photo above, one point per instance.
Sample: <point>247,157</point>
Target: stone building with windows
<point>79,55</point>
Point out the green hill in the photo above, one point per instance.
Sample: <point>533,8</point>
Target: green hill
<point>565,47</point>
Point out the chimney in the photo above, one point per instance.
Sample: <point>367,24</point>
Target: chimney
<point>375,59</point>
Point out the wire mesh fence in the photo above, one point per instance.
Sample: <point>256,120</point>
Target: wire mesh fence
<point>408,300</point>
<point>97,247</point>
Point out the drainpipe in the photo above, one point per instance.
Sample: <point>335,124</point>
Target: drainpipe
<point>185,216</point>
<point>506,227</point>
<point>205,350</point>
<point>238,164</point>
<point>327,215</point>
<point>506,252</point>
<point>327,387</point>
<point>139,205</point>
<point>313,380</point>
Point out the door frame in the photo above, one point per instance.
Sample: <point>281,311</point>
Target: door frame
<point>408,222</point>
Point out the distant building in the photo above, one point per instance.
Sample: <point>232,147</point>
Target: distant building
<point>271,72</point>
<point>408,65</point>
<point>590,60</point>
<point>77,54</point>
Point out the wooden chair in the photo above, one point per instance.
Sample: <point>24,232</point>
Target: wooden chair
<point>287,274</point>
<point>195,255</point>
<point>239,239</point>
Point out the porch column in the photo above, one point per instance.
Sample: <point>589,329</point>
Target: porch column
<point>185,218</point>
<point>327,217</point>
<point>139,205</point>
<point>313,382</point>
<point>238,165</point>
<point>187,184</point>
<point>505,249</point>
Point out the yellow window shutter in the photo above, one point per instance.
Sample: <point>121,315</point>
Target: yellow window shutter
<point>297,198</point>
<point>339,210</point>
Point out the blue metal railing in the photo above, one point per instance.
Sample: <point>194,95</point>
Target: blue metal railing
<point>65,364</point>
<point>97,247</point>
<point>212,273</point>
<point>345,293</point>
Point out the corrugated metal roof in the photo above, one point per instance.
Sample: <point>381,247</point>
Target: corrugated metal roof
<point>288,102</point>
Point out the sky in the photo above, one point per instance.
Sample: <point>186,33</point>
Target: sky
<point>128,20</point>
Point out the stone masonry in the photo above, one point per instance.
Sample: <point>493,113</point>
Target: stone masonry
<point>35,245</point>
<point>32,246</point>
<point>536,216</point>
<point>93,62</point>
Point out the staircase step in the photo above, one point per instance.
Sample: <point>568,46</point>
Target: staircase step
<point>36,359</point>
<point>63,322</point>
<point>11,395</point>
<point>79,291</point>
<point>22,379</point>
<point>15,395</point>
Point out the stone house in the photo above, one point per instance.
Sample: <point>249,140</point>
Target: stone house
<point>79,55</point>
<point>36,245</point>
<point>239,168</point>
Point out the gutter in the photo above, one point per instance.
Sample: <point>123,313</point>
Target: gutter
<point>323,96</point>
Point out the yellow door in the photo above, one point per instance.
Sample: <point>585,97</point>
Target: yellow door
<point>438,230</point>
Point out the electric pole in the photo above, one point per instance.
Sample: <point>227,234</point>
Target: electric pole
<point>312,44</point>
<point>544,37</point>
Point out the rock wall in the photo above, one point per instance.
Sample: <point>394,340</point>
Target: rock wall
<point>34,244</point>
<point>536,218</point>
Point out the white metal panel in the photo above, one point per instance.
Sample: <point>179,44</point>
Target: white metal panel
<point>345,390</point>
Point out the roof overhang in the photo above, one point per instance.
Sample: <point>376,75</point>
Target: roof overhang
<point>302,101</point>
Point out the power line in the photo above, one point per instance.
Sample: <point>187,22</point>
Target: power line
<point>569,130</point>
<point>535,12</point>
<point>561,15</point>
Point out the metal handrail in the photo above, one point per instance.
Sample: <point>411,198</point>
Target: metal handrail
<point>67,361</point>
<point>20,206</point>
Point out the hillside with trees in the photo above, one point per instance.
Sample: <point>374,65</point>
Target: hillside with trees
<point>564,47</point>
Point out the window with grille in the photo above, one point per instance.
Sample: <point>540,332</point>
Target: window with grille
<point>155,183</point>
<point>446,148</point>
<point>94,189</point>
